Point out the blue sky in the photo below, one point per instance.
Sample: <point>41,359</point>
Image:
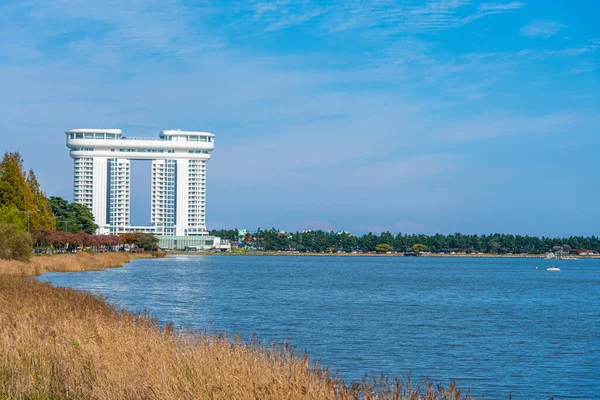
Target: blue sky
<point>412,116</point>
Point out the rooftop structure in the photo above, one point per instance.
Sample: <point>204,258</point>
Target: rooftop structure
<point>102,159</point>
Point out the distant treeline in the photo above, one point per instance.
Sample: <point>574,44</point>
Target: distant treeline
<point>320,241</point>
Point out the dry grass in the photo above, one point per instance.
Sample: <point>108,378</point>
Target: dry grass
<point>66,263</point>
<point>62,343</point>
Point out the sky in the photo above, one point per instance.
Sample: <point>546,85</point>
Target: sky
<point>413,116</point>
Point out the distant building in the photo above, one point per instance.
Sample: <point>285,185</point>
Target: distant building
<point>242,233</point>
<point>585,252</point>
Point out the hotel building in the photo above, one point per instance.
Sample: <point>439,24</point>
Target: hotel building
<point>102,175</point>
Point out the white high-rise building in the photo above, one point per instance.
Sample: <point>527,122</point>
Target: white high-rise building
<point>102,176</point>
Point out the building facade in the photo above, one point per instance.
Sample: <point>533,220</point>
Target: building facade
<point>102,174</point>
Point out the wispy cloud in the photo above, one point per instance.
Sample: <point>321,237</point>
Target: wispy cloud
<point>541,29</point>
<point>378,17</point>
<point>151,28</point>
<point>514,5</point>
<point>361,94</point>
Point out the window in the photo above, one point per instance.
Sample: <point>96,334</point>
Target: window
<point>89,135</point>
<point>99,136</point>
<point>110,135</point>
<point>193,138</point>
<point>79,136</point>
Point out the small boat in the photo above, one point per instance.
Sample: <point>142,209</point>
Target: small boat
<point>553,268</point>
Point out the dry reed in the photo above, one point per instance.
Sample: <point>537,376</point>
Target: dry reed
<point>62,343</point>
<point>77,262</point>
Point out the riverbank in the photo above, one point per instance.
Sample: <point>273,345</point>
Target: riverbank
<point>63,343</point>
<point>76,262</point>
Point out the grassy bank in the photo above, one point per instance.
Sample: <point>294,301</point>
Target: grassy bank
<point>61,343</point>
<point>77,262</point>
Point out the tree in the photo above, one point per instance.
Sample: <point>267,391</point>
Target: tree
<point>148,241</point>
<point>229,234</point>
<point>418,247</point>
<point>15,244</point>
<point>72,217</point>
<point>14,190</point>
<point>386,238</point>
<point>43,219</point>
<point>129,238</point>
<point>383,248</point>
<point>12,215</point>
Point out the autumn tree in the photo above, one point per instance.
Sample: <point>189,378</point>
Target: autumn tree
<point>22,192</point>
<point>14,190</point>
<point>129,238</point>
<point>383,248</point>
<point>43,219</point>
<point>418,247</point>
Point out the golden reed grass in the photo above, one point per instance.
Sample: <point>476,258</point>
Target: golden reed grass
<point>60,343</point>
<point>77,262</point>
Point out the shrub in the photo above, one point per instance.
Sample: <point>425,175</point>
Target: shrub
<point>15,244</point>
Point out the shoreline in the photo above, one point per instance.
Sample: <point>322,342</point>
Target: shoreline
<point>299,254</point>
<point>71,262</point>
<point>64,343</point>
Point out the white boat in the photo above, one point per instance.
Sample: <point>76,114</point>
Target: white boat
<point>553,269</point>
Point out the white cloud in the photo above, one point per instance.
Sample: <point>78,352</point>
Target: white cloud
<point>283,122</point>
<point>374,18</point>
<point>541,29</point>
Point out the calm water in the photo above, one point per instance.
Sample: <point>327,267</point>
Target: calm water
<point>497,326</point>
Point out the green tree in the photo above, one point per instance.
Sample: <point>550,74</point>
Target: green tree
<point>15,244</point>
<point>14,190</point>
<point>383,247</point>
<point>148,241</point>
<point>72,217</point>
<point>12,215</point>
<point>386,238</point>
<point>418,247</point>
<point>43,219</point>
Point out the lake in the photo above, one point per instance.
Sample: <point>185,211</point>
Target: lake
<point>496,325</point>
